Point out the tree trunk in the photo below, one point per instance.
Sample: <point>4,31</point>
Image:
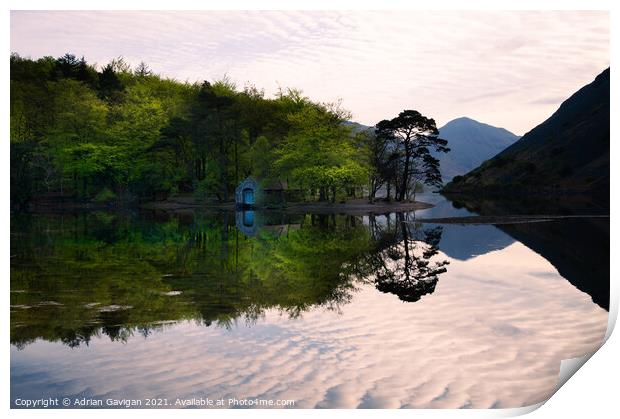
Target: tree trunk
<point>403,187</point>
<point>223,162</point>
<point>407,263</point>
<point>236,165</point>
<point>372,192</point>
<point>223,182</point>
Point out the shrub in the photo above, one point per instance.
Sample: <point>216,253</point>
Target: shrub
<point>104,195</point>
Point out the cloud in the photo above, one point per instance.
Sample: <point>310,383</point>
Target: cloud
<point>547,100</point>
<point>493,334</point>
<point>378,62</point>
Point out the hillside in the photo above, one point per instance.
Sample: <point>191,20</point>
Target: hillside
<point>471,143</point>
<point>356,127</point>
<point>567,154</point>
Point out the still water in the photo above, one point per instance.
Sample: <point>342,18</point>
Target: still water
<point>324,310</point>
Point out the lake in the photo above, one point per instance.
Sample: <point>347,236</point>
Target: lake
<point>304,311</point>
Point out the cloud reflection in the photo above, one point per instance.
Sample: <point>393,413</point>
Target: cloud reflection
<point>493,335</point>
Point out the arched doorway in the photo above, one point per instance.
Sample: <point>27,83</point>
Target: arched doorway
<point>248,196</point>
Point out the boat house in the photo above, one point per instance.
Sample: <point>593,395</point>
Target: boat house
<point>252,193</point>
<point>246,193</point>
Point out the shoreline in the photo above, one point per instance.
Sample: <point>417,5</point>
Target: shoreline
<point>501,219</point>
<point>354,207</point>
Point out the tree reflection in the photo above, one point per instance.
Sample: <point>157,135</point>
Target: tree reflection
<point>406,265</point>
<point>74,277</point>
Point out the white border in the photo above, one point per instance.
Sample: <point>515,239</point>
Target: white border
<point>312,5</point>
<point>592,392</point>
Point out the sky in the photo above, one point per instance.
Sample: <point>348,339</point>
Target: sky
<point>508,69</point>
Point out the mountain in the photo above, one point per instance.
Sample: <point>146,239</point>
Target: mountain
<point>471,143</point>
<point>356,127</point>
<point>568,154</point>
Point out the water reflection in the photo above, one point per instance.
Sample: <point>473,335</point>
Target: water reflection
<point>404,262</point>
<point>75,277</point>
<point>329,310</point>
<point>578,248</point>
<point>464,242</point>
<point>246,223</point>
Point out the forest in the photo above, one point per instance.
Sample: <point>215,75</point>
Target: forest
<point>117,133</point>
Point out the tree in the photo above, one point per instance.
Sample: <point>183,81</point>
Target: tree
<point>379,161</point>
<point>110,84</point>
<point>413,135</point>
<point>138,119</point>
<point>167,136</point>
<point>67,66</point>
<point>93,163</point>
<point>176,137</point>
<point>80,118</point>
<point>211,132</point>
<point>138,122</point>
<point>261,158</point>
<point>142,70</point>
<point>318,153</point>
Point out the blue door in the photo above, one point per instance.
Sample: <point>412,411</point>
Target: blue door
<point>248,197</point>
<point>248,218</point>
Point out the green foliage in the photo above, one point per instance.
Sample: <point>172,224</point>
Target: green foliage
<point>138,120</point>
<point>87,160</point>
<point>104,195</point>
<point>319,153</point>
<point>261,158</point>
<point>76,130</point>
<point>209,185</point>
<point>77,111</point>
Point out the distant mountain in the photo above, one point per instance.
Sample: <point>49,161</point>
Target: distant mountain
<point>566,154</point>
<point>471,143</point>
<point>356,127</point>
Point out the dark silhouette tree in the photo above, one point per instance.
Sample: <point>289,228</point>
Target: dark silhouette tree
<point>413,136</point>
<point>70,67</point>
<point>379,159</point>
<point>211,122</point>
<point>87,74</point>
<point>67,66</point>
<point>109,83</point>
<point>142,70</point>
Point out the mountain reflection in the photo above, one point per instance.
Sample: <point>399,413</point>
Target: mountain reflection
<point>78,276</point>
<point>579,248</point>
